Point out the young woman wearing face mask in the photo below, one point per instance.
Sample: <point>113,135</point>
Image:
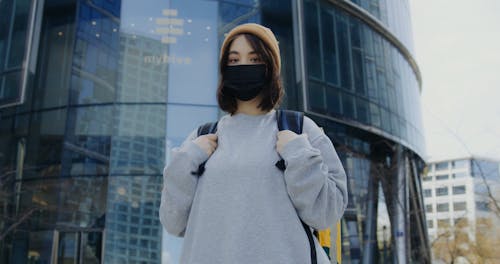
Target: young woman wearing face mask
<point>243,209</point>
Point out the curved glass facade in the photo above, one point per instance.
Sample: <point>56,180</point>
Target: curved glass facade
<point>364,92</point>
<point>356,75</point>
<point>392,14</point>
<point>118,84</point>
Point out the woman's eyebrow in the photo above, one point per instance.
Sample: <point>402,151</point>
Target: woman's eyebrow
<point>234,52</point>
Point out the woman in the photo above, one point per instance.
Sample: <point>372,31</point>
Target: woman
<point>243,209</point>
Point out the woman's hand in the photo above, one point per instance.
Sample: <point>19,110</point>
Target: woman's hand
<point>284,137</point>
<point>207,142</point>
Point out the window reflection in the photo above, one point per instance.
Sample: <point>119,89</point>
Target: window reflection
<point>72,202</point>
<point>56,49</point>
<point>133,200</point>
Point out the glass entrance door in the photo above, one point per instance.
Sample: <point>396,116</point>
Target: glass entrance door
<point>77,247</point>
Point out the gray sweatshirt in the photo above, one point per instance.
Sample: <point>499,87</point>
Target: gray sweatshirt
<point>243,209</point>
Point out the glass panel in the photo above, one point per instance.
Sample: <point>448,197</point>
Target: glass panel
<point>442,191</point>
<point>355,244</point>
<point>230,13</point>
<point>386,120</point>
<point>375,115</point>
<point>355,33</point>
<point>70,202</point>
<point>348,105</point>
<point>6,11</point>
<point>91,248</point>
<point>45,144</point>
<point>442,177</point>
<point>371,84</point>
<point>442,165</point>
<point>9,86</point>
<point>316,97</point>
<point>96,53</point>
<point>18,44</point>
<point>138,144</point>
<point>344,50</point>
<point>459,189</point>
<point>201,36</point>
<point>458,175</point>
<point>459,206</point>
<point>459,164</point>
<point>40,247</point>
<point>132,199</point>
<point>442,207</point>
<point>333,100</point>
<point>362,110</point>
<point>357,65</point>
<point>482,206</point>
<point>68,248</point>
<point>312,40</point>
<point>87,141</point>
<point>183,119</point>
<point>329,47</point>
<point>56,50</point>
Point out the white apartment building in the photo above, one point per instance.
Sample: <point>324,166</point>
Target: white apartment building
<point>456,190</point>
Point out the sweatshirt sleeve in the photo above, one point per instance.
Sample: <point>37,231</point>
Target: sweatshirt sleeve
<point>315,178</point>
<point>179,185</point>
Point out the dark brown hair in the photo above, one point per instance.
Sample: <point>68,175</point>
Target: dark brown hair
<point>272,93</point>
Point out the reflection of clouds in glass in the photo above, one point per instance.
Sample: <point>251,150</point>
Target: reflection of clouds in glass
<point>138,17</point>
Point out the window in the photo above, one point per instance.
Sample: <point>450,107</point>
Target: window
<point>482,206</point>
<point>313,40</point>
<point>443,223</point>
<point>442,177</point>
<point>458,175</point>
<point>427,193</point>
<point>443,207</point>
<point>458,164</point>
<point>428,208</point>
<point>442,165</point>
<point>430,224</point>
<point>427,178</point>
<point>442,191</point>
<point>459,189</point>
<point>459,206</point>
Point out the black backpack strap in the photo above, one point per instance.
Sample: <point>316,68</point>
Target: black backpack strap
<point>294,121</point>
<point>312,247</point>
<point>289,120</point>
<point>208,128</point>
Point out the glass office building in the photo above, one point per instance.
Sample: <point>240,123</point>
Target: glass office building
<point>95,93</point>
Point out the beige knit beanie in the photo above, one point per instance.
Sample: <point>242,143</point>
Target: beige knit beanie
<point>263,33</point>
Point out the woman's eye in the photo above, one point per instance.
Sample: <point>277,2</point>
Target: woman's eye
<point>232,60</point>
<point>257,59</point>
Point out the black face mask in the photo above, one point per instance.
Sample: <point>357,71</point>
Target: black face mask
<point>245,81</point>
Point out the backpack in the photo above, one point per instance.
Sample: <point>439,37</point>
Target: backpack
<point>287,120</point>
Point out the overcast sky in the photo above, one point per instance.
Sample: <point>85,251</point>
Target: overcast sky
<point>458,51</point>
